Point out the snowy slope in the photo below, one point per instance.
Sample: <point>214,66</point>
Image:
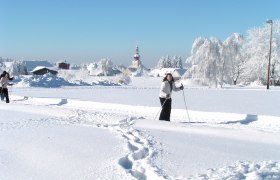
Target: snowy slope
<point>64,138</point>
<point>112,132</point>
<point>46,142</point>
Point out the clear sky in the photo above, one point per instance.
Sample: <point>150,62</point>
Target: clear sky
<point>88,30</point>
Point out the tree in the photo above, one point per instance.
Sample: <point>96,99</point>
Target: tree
<point>236,59</point>
<point>176,62</point>
<point>161,63</point>
<point>256,49</point>
<point>19,68</point>
<point>205,59</point>
<point>106,66</point>
<point>232,59</point>
<point>166,62</point>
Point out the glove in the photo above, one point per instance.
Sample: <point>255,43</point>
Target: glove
<point>182,87</point>
<point>167,96</point>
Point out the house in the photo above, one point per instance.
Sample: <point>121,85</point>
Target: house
<point>63,65</point>
<point>41,70</point>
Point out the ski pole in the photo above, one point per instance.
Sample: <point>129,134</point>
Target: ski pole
<point>186,105</point>
<point>1,93</point>
<point>161,108</point>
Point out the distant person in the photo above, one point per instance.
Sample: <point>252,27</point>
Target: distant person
<point>1,89</point>
<point>167,86</point>
<point>4,82</point>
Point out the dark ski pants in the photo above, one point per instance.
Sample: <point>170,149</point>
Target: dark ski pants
<point>166,109</point>
<point>5,94</point>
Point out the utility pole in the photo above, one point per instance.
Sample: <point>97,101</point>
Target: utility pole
<point>269,55</point>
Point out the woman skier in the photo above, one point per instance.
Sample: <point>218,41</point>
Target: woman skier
<point>167,86</point>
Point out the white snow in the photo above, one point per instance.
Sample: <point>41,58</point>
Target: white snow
<point>111,132</point>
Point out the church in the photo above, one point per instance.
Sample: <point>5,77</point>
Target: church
<point>136,63</point>
<point>136,68</point>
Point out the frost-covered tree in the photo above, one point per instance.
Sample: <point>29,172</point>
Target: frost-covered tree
<point>236,59</point>
<point>255,56</point>
<point>161,63</point>
<point>232,60</point>
<point>197,68</point>
<point>205,60</point>
<point>256,49</point>
<point>176,62</point>
<point>106,66</point>
<point>275,68</point>
<point>18,68</point>
<point>179,63</point>
<point>216,62</point>
<point>14,67</point>
<point>166,62</point>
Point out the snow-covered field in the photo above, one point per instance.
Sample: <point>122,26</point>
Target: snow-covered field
<point>112,132</point>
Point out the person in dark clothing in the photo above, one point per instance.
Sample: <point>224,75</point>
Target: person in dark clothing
<point>1,89</point>
<point>167,86</point>
<point>4,82</point>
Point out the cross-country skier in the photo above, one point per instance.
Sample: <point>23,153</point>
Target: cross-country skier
<point>167,86</point>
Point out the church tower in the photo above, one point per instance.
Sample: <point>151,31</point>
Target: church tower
<point>136,63</point>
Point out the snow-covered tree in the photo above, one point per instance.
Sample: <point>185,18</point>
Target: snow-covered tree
<point>195,60</point>
<point>205,60</point>
<point>256,49</point>
<point>161,63</point>
<point>106,66</point>
<point>18,68</point>
<point>236,59</point>
<point>176,62</point>
<point>232,60</point>
<point>14,67</point>
<point>166,62</point>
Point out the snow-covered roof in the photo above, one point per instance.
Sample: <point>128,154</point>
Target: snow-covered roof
<point>181,72</point>
<point>43,67</point>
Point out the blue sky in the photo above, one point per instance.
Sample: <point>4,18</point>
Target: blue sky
<point>88,30</point>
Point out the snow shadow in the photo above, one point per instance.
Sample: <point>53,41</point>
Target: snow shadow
<point>248,119</point>
<point>125,163</point>
<point>62,102</point>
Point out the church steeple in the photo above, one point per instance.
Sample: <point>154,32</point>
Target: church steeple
<point>136,55</point>
<point>136,63</point>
